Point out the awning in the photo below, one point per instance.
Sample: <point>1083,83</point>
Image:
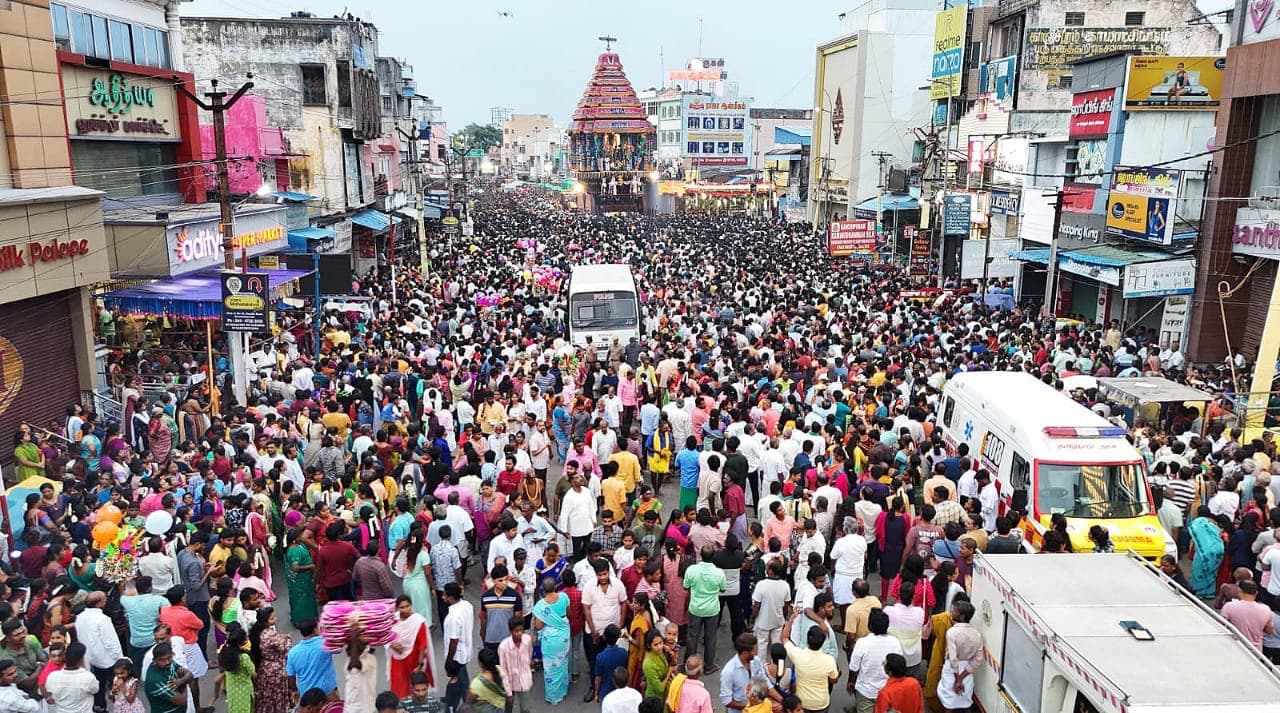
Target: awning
<point>431,211</point>
<point>374,220</point>
<point>409,212</point>
<point>782,155</point>
<point>1133,392</point>
<point>802,135</point>
<point>197,296</point>
<point>1112,256</point>
<point>300,240</point>
<point>293,197</point>
<point>889,202</point>
<point>1036,255</point>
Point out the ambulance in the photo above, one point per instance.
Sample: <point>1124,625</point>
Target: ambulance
<point>1107,633</point>
<point>1050,455</point>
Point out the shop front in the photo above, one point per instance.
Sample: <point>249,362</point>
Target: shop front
<point>133,135</point>
<point>372,233</point>
<point>175,242</point>
<point>46,315</point>
<point>1106,282</point>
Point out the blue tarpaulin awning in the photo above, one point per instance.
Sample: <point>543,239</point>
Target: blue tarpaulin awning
<point>1036,255</point>
<point>197,296</point>
<point>889,202</point>
<point>293,197</point>
<point>374,220</point>
<point>1112,256</point>
<point>301,238</point>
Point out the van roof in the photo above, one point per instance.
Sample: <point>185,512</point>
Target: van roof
<point>1081,599</point>
<point>1022,406</point>
<point>601,278</point>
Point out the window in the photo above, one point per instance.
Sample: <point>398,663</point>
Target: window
<point>81,33</point>
<point>1092,491</point>
<point>1074,19</point>
<point>61,27</point>
<point>344,83</point>
<point>100,41</point>
<point>121,44</point>
<point>1064,81</point>
<point>1134,19</point>
<point>313,84</point>
<point>975,55</point>
<point>386,105</point>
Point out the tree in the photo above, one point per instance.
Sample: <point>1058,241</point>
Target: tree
<point>477,136</point>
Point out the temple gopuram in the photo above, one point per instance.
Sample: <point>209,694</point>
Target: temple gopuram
<point>611,140</point>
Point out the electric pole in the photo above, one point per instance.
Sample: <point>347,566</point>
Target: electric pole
<point>1051,277</point>
<point>218,105</point>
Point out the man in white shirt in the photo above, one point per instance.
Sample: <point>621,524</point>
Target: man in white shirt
<point>623,698</point>
<point>990,500</point>
<point>773,466</point>
<point>866,664</point>
<point>73,688</point>
<point>459,625</point>
<point>577,515</point>
<point>540,449</point>
<point>505,544</point>
<point>95,630</point>
<point>850,555</point>
<point>158,565</point>
<point>15,699</point>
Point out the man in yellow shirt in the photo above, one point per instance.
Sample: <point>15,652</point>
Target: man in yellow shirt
<point>628,465</point>
<point>335,418</point>
<point>856,615</point>
<point>614,490</point>
<point>815,669</point>
<point>491,413</point>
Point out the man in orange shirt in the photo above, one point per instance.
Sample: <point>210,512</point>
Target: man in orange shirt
<point>901,693</point>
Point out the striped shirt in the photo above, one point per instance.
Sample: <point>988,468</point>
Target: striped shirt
<point>1184,491</point>
<point>517,664</point>
<point>498,610</point>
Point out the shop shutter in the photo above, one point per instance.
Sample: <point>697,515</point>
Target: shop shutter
<point>37,366</point>
<point>1256,312</point>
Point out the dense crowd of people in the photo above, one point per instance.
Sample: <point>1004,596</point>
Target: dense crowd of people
<point>761,462</point>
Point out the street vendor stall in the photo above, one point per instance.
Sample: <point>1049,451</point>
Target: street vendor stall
<point>1151,397</point>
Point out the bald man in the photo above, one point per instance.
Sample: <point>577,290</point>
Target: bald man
<point>95,630</point>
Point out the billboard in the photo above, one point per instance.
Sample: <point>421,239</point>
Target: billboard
<point>1174,83</point>
<point>1052,50</point>
<point>847,237</point>
<point>716,132</point>
<point>1141,204</point>
<point>921,260</point>
<point>948,52</point>
<point>957,216</point>
<point>1091,113</point>
<point>245,302</point>
<point>998,79</point>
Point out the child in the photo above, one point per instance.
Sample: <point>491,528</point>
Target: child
<point>124,689</point>
<point>56,662</point>
<point>246,579</point>
<point>456,689</point>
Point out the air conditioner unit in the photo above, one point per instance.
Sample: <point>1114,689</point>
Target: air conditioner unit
<point>1268,198</point>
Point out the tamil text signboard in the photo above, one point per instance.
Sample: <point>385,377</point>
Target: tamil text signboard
<point>847,237</point>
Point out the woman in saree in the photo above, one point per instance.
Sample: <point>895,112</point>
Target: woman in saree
<point>1206,537</point>
<point>486,693</point>
<point>411,651</point>
<point>641,625</point>
<point>661,450</point>
<point>656,667</point>
<point>941,623</point>
<point>299,572</point>
<point>551,621</point>
<point>552,564</point>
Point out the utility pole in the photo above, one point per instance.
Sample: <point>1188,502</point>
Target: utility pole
<point>218,105</point>
<point>1051,277</point>
<point>883,157</point>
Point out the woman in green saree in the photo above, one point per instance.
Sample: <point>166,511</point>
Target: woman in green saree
<point>299,571</point>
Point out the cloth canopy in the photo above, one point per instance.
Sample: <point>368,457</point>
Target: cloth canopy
<point>197,296</point>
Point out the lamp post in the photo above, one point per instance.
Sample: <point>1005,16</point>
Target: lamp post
<point>946,149</point>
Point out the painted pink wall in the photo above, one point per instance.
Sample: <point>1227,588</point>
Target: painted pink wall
<point>248,135</point>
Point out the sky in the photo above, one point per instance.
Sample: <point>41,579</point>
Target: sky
<point>469,57</point>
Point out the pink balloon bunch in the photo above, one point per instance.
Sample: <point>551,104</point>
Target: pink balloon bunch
<point>374,619</point>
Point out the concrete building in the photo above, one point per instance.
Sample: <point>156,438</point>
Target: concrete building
<point>867,99</point>
<point>529,145</point>
<point>52,245</point>
<point>664,107</point>
<point>764,122</point>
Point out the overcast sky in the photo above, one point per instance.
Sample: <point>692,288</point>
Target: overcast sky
<point>536,56</point>
<point>468,56</point>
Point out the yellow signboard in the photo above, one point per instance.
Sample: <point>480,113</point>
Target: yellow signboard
<point>1174,83</point>
<point>948,52</point>
<point>1127,212</point>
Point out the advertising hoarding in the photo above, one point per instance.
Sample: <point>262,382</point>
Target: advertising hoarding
<point>957,214</point>
<point>1141,204</point>
<point>245,302</point>
<point>1174,83</point>
<point>847,237</point>
<point>1091,113</point>
<point>948,51</point>
<point>716,132</point>
<point>998,79</point>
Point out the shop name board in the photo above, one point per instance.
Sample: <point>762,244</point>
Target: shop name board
<point>117,126</point>
<point>1163,183</point>
<point>1102,273</point>
<point>1091,113</point>
<point>203,243</point>
<point>847,237</point>
<point>245,303</point>
<point>1005,203</point>
<point>1053,49</point>
<point>1256,232</point>
<point>1080,230</point>
<point>1160,279</point>
<point>957,218</point>
<point>1262,21</point>
<point>13,256</point>
<point>117,96</point>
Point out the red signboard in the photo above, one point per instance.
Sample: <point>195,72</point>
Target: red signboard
<point>1078,198</point>
<point>1091,113</point>
<point>847,237</point>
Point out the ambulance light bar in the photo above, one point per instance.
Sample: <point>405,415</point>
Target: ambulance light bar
<point>1077,432</point>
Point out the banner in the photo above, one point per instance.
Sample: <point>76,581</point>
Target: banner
<point>997,79</point>
<point>1160,279</point>
<point>977,146</point>
<point>1005,202</point>
<point>1091,113</point>
<point>847,237</point>
<point>1174,83</point>
<point>921,262</point>
<point>948,52</point>
<point>716,132</point>
<point>1140,218</point>
<point>1160,182</point>
<point>245,302</point>
<point>956,214</point>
